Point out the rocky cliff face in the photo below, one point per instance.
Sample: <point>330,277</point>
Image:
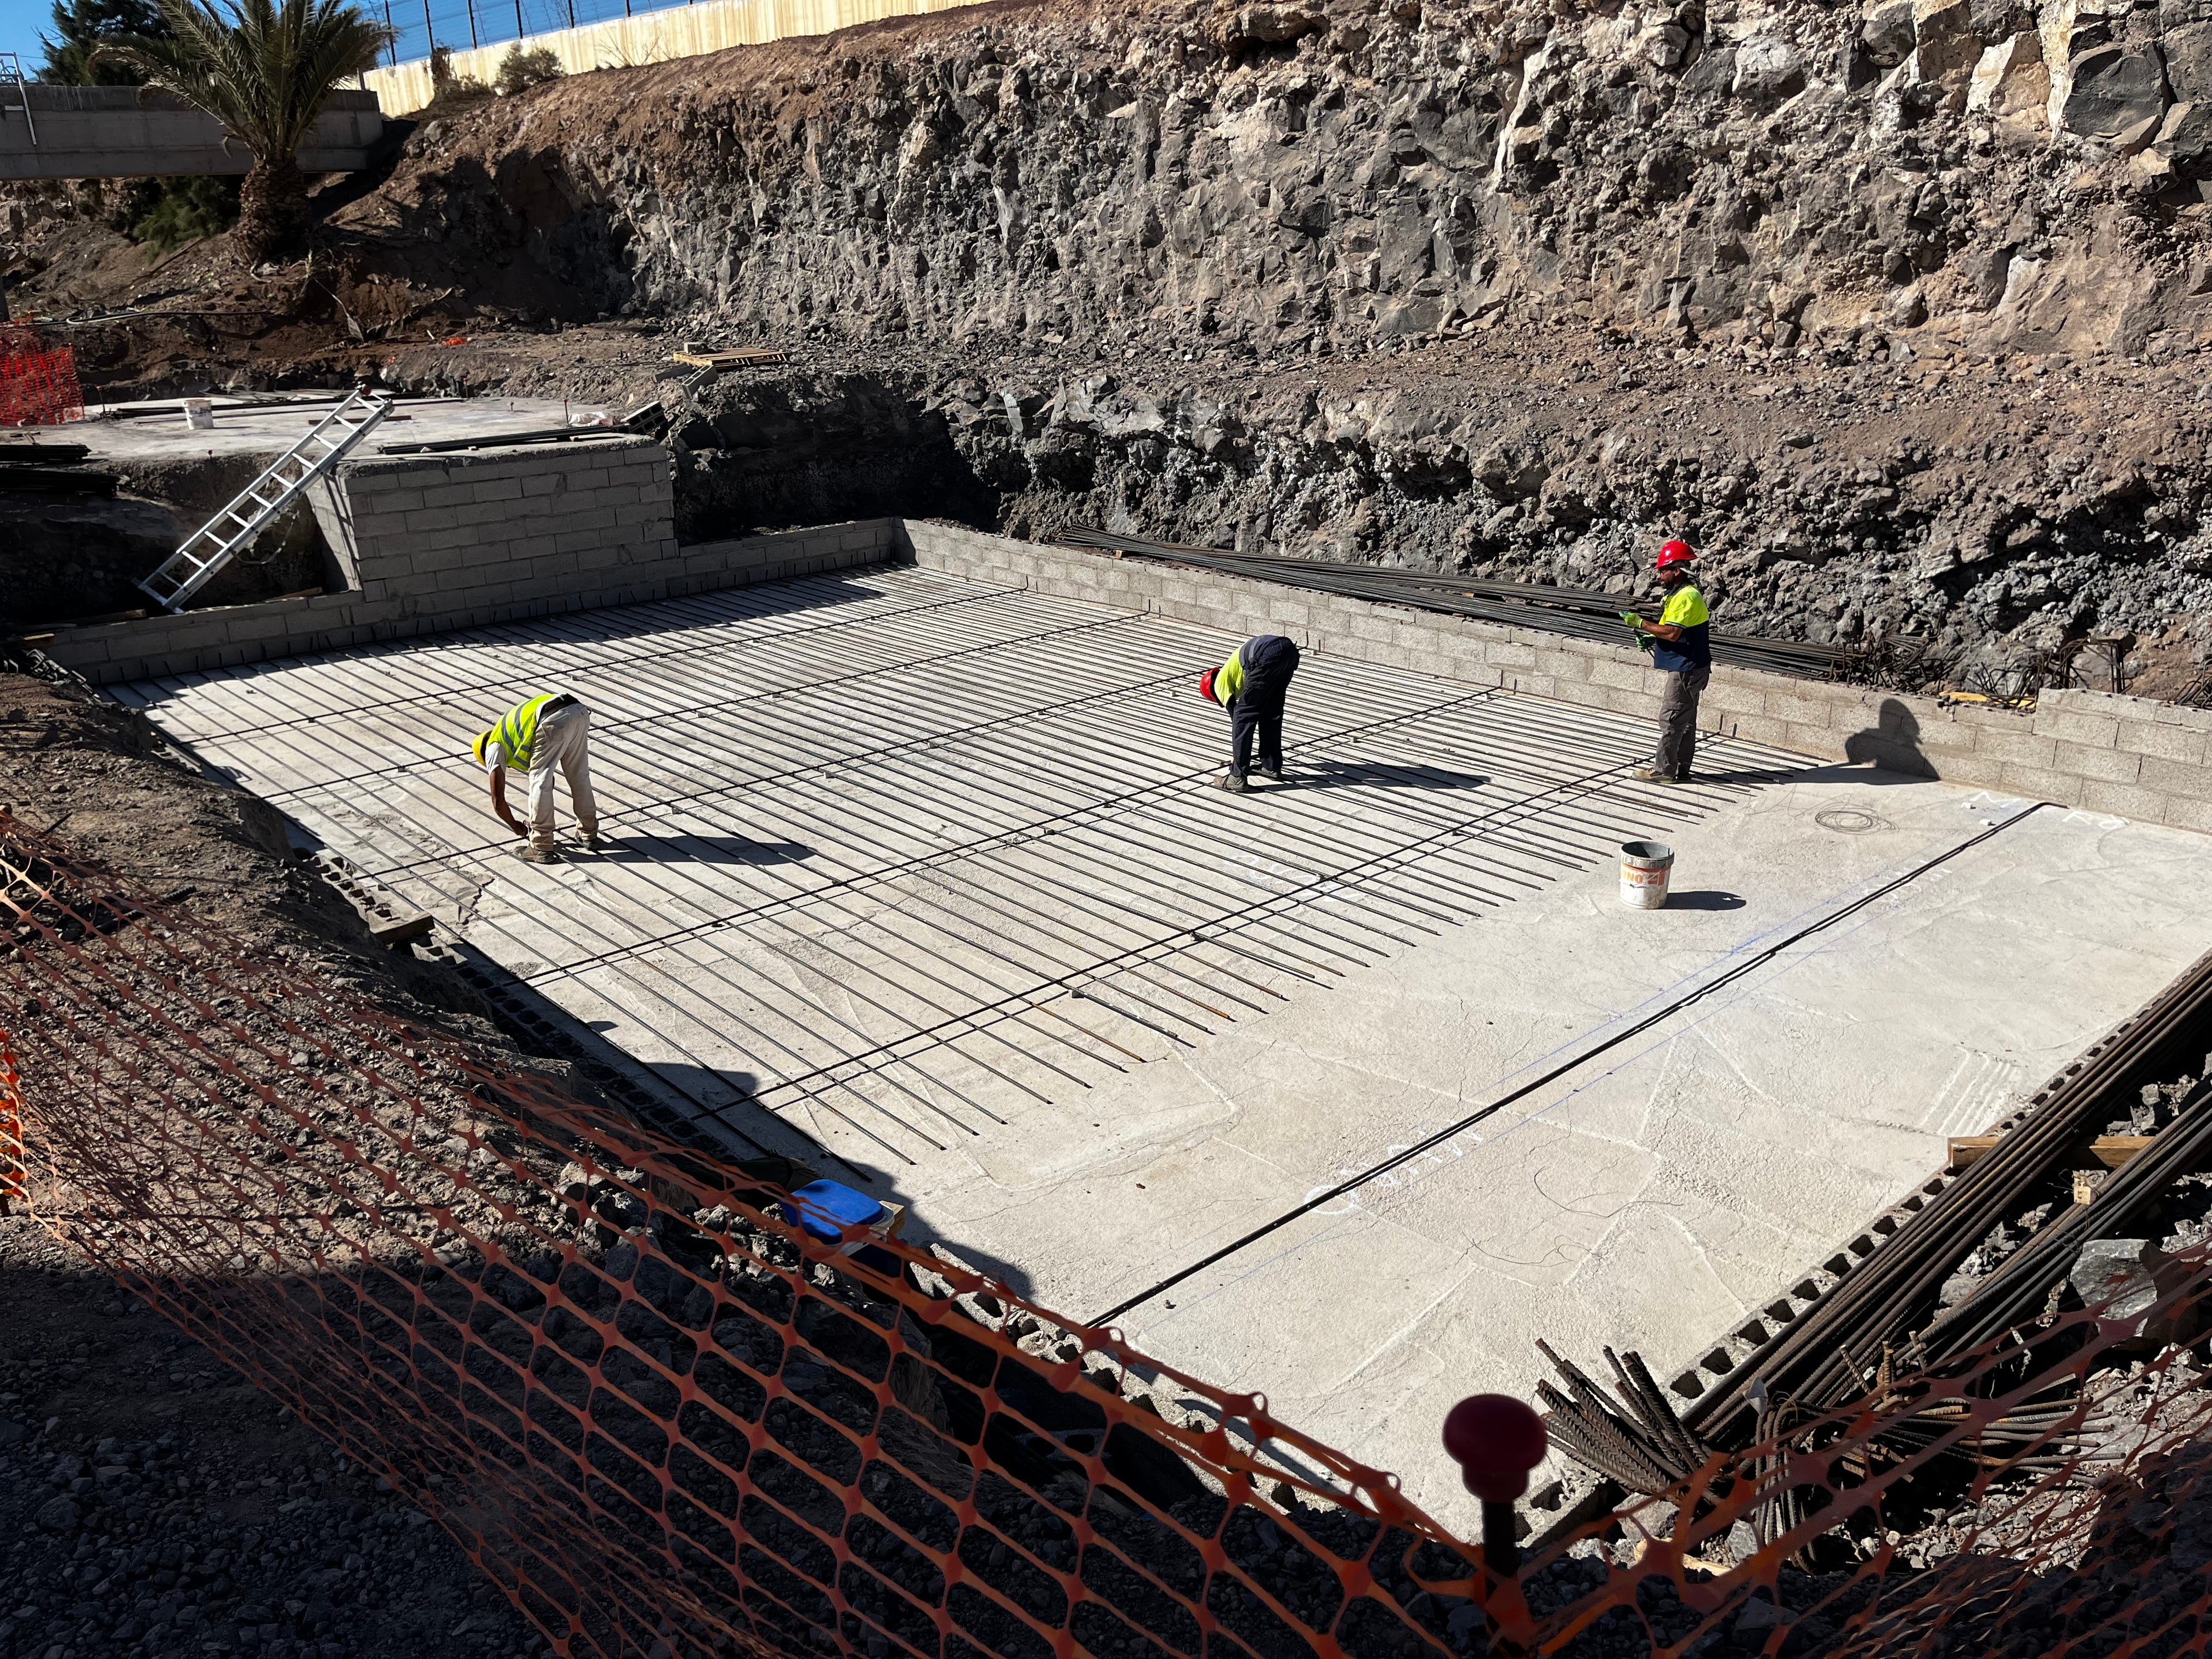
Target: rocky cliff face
<point>1318,177</point>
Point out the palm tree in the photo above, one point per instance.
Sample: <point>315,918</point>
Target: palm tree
<point>264,70</point>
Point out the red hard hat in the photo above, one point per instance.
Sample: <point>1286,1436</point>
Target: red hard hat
<point>1206,685</point>
<point>1676,552</point>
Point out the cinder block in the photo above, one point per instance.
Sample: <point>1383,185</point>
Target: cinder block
<point>2036,783</point>
<point>2189,815</point>
<point>1625,676</point>
<point>1799,708</point>
<point>2095,730</point>
<point>1760,728</point>
<point>2127,801</point>
<point>2176,778</point>
<point>1981,715</point>
<point>2100,764</point>
<point>2021,747</point>
<point>1732,695</point>
<point>496,488</point>
<point>1967,767</point>
<point>398,499</point>
<point>1815,738</point>
<point>449,495</point>
<point>2174,743</point>
<point>2195,720</point>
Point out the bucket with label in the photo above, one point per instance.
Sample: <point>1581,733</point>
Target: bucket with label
<point>1645,867</point>
<point>199,415</point>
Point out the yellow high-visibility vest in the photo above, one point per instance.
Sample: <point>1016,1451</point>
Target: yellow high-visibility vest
<point>517,731</point>
<point>1230,680</point>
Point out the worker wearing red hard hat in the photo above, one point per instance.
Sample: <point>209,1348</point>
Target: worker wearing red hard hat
<point>1681,651</point>
<point>1253,686</point>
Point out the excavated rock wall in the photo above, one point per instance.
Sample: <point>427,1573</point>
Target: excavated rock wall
<point>1162,267</point>
<point>1292,177</point>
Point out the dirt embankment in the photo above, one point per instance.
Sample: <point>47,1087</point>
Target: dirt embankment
<point>1896,309</point>
<point>155,1499</point>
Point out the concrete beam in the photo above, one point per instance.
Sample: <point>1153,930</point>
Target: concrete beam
<point>127,132</point>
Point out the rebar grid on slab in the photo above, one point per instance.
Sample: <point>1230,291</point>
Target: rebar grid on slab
<point>893,853</point>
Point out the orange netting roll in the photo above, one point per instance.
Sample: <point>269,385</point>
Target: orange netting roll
<point>37,383</point>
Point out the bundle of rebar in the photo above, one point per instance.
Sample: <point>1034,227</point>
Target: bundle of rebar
<point>1833,1353</point>
<point>1637,1438</point>
<point>2018,1289</point>
<point>1577,612</point>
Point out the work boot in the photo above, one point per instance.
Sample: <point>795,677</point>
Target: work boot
<point>593,841</point>
<point>1648,774</point>
<point>1272,774</point>
<point>540,855</point>
<point>1233,782</point>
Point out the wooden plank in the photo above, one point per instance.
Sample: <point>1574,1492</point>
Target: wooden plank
<point>729,359</point>
<point>2109,1150</point>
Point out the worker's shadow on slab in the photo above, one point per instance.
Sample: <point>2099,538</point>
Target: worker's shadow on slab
<point>1705,901</point>
<point>700,850</point>
<point>1371,775</point>
<point>1892,744</point>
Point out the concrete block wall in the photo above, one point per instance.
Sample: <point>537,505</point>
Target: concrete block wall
<point>431,543</point>
<point>2127,756</point>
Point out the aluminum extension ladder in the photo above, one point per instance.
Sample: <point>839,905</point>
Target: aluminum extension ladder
<point>212,545</point>
<point>11,73</point>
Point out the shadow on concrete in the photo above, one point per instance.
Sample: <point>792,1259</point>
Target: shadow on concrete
<point>1704,901</point>
<point>1893,743</point>
<point>695,849</point>
<point>737,1107</point>
<point>1374,775</point>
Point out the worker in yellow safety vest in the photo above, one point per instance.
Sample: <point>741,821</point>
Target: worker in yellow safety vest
<point>1252,686</point>
<point>541,736</point>
<point>1681,650</point>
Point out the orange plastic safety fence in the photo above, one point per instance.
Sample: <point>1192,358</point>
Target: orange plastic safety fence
<point>38,382</point>
<point>665,1420</point>
<point>661,1417</point>
<point>11,1127</point>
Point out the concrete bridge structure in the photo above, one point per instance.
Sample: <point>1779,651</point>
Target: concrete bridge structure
<point>128,132</point>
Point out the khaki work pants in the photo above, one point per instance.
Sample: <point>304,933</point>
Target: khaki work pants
<point>562,744</point>
<point>1678,722</point>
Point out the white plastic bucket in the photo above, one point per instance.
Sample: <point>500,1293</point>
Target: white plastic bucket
<point>199,415</point>
<point>1645,867</point>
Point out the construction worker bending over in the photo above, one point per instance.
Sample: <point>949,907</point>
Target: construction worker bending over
<point>1680,650</point>
<point>539,737</point>
<point>1252,685</point>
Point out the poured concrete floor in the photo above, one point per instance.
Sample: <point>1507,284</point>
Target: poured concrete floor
<point>143,432</point>
<point>925,879</point>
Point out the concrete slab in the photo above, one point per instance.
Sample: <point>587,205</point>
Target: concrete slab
<point>930,873</point>
<point>122,433</point>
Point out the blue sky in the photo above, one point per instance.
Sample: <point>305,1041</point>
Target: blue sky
<point>21,22</point>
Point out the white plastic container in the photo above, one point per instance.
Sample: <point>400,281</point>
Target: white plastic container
<point>199,415</point>
<point>1645,867</point>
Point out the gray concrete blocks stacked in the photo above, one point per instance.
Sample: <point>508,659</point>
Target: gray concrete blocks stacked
<point>428,542</point>
<point>2124,756</point>
<point>476,532</point>
<point>447,541</point>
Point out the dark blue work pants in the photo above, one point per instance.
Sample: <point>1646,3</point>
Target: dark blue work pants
<point>1269,662</point>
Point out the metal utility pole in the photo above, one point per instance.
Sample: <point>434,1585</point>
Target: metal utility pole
<point>429,33</point>
<point>391,35</point>
<point>473,41</point>
<point>572,14</point>
<point>518,30</point>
